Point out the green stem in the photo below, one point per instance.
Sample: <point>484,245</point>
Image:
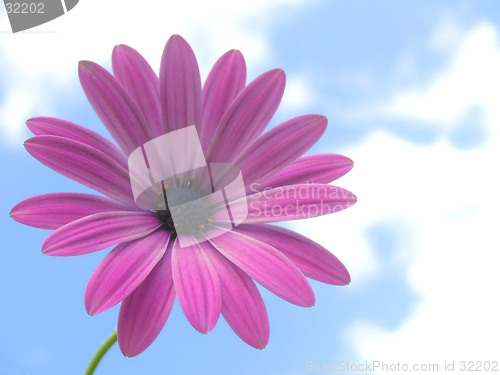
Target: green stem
<point>101,352</point>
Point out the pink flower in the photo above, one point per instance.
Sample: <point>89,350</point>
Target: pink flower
<point>148,267</point>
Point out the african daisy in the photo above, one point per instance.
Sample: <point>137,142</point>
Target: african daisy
<point>150,265</point>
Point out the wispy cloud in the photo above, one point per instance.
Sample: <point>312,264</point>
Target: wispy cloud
<point>459,93</point>
<point>470,79</point>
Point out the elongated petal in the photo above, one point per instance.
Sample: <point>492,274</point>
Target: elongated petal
<point>141,83</point>
<point>294,202</point>
<point>180,86</point>
<point>267,266</point>
<point>280,146</point>
<point>123,270</point>
<point>225,81</point>
<point>83,164</point>
<point>145,311</point>
<point>247,116</point>
<point>66,129</point>
<point>114,106</point>
<point>53,210</point>
<point>197,286</point>
<point>242,304</point>
<point>99,231</point>
<point>313,260</point>
<point>317,169</point>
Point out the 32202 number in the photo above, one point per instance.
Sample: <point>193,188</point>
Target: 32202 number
<point>25,8</point>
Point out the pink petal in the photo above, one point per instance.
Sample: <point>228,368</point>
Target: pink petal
<point>99,231</point>
<point>294,202</point>
<point>145,311</point>
<point>141,83</point>
<point>242,304</point>
<point>114,106</point>
<point>247,116</point>
<point>83,164</point>
<point>66,129</point>
<point>267,266</point>
<point>51,211</point>
<point>317,169</point>
<point>180,86</point>
<point>123,270</point>
<point>225,81</point>
<point>313,260</point>
<point>197,286</point>
<point>280,146</point>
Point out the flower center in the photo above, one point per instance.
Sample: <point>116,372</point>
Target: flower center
<point>187,211</point>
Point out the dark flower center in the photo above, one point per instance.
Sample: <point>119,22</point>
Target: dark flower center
<point>187,212</point>
<point>166,218</point>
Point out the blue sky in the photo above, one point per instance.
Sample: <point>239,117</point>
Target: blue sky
<point>411,92</point>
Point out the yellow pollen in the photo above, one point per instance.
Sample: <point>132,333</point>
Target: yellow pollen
<point>159,205</point>
<point>165,187</point>
<point>202,227</point>
<point>210,220</point>
<point>160,193</point>
<point>176,225</point>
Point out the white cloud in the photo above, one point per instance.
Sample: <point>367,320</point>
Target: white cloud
<point>447,198</point>
<point>15,103</point>
<point>41,63</point>
<point>469,80</point>
<point>298,94</point>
